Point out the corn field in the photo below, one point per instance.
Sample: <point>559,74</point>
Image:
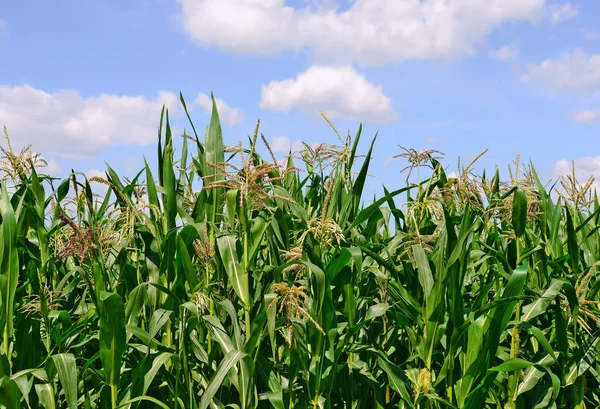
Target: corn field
<point>224,278</point>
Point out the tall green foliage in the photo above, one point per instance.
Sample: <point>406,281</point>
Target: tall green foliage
<point>233,281</point>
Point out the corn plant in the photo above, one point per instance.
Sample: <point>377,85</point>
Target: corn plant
<point>222,278</point>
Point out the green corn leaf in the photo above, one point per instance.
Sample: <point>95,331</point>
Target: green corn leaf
<point>359,183</point>
<point>369,211</point>
<point>233,267</point>
<point>170,186</point>
<point>45,395</point>
<point>581,364</point>
<point>151,187</point>
<point>425,275</point>
<point>66,366</point>
<point>159,145</point>
<point>112,337</point>
<point>397,379</point>
<point>476,335</point>
<point>147,371</point>
<point>377,310</point>
<point>572,243</point>
<point>22,382</point>
<point>135,303</point>
<point>214,156</point>
<point>543,205</point>
<point>185,109</point>
<point>232,202</point>
<point>219,333</point>
<point>541,338</point>
<point>257,232</point>
<point>9,263</point>
<point>512,364</point>
<point>183,175</point>
<point>159,319</point>
<point>540,305</point>
<point>533,374</point>
<point>144,398</point>
<point>188,268</point>
<point>228,362</point>
<point>10,393</point>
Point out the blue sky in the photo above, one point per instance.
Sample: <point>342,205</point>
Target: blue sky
<point>83,81</point>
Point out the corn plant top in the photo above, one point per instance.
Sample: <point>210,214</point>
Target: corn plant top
<point>223,278</point>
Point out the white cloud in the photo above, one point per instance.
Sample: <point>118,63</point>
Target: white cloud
<point>576,70</point>
<point>587,116</point>
<point>433,140</point>
<point>371,32</point>
<point>52,169</point>
<point>231,116</point>
<point>67,124</point>
<point>97,173</point>
<point>283,144</point>
<point>3,28</point>
<point>507,52</point>
<point>584,167</point>
<point>340,92</point>
<point>562,12</point>
<point>590,34</point>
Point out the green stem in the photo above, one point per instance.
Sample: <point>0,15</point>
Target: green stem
<point>513,379</point>
<point>247,319</point>
<point>5,345</point>
<point>246,279</point>
<point>183,356</point>
<point>113,395</point>
<point>211,304</point>
<point>450,382</point>
<point>178,351</point>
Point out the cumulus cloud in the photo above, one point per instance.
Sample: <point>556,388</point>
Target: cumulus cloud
<point>370,32</point>
<point>283,144</point>
<point>231,116</point>
<point>576,70</point>
<point>562,12</point>
<point>506,52</point>
<point>67,124</point>
<point>340,92</point>
<point>587,116</point>
<point>3,28</point>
